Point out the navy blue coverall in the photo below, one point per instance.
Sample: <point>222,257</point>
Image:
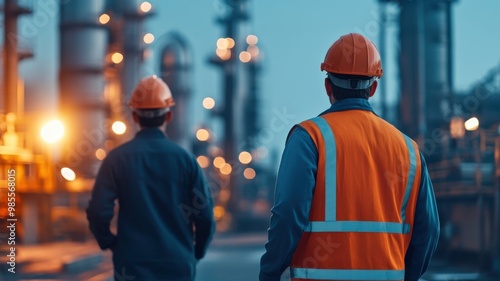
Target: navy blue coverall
<point>165,218</point>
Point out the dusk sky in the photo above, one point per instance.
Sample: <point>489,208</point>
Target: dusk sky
<point>293,36</point>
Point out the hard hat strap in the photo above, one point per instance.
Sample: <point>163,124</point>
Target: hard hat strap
<point>151,113</point>
<point>351,84</point>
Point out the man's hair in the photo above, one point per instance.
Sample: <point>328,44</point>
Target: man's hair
<point>149,118</point>
<point>342,93</point>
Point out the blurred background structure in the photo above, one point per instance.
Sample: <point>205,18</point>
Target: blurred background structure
<point>55,137</point>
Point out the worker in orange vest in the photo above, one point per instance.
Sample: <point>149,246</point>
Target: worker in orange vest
<point>165,219</point>
<point>353,199</point>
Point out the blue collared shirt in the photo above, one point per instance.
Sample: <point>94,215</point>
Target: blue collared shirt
<point>293,197</point>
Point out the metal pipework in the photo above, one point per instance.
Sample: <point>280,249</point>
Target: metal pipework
<point>12,10</point>
<point>437,54</point>
<point>82,58</point>
<point>133,46</point>
<point>412,66</point>
<point>175,67</point>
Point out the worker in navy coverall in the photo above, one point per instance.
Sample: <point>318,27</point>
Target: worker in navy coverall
<point>165,218</point>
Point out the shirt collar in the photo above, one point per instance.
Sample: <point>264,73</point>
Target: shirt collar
<point>150,133</point>
<point>350,104</point>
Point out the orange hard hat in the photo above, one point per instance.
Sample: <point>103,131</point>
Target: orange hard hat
<point>353,54</point>
<point>151,92</point>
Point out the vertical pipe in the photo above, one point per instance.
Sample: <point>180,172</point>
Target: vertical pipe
<point>232,21</point>
<point>496,216</point>
<point>251,104</point>
<point>229,80</point>
<point>480,193</point>
<point>10,56</point>
<point>229,105</point>
<point>83,46</point>
<point>420,98</point>
<point>175,68</point>
<point>437,72</point>
<point>412,64</point>
<point>133,50</point>
<point>132,54</point>
<point>481,220</point>
<point>382,50</point>
<point>449,47</point>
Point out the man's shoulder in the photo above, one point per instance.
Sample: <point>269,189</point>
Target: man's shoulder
<point>122,148</point>
<point>136,145</point>
<point>305,129</point>
<point>299,134</point>
<point>165,154</point>
<point>303,126</point>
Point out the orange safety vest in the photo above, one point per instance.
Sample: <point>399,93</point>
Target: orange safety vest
<point>362,211</point>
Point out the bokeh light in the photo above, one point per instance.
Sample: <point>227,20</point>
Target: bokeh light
<point>202,134</point>
<point>68,174</point>
<point>254,51</point>
<point>219,212</point>
<point>119,127</point>
<point>100,154</point>
<point>245,57</point>
<point>472,124</point>
<point>245,157</point>
<point>145,7</point>
<point>223,54</point>
<point>104,18</point>
<point>226,169</point>
<point>252,39</point>
<point>219,162</point>
<point>116,57</point>
<point>148,38</point>
<point>52,131</point>
<point>222,43</point>
<point>208,103</point>
<point>249,173</point>
<point>230,43</point>
<point>203,161</point>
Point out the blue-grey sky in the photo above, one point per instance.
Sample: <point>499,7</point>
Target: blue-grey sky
<point>294,37</point>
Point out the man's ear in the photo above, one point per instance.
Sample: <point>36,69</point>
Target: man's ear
<point>169,116</point>
<point>135,116</point>
<point>373,88</point>
<point>328,87</point>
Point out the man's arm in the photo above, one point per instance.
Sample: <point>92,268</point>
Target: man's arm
<point>101,206</point>
<point>425,234</point>
<point>292,203</point>
<point>203,218</point>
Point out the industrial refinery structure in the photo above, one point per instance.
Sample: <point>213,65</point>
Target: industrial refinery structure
<point>458,133</point>
<point>103,48</point>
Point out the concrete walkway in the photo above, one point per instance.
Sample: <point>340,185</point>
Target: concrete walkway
<point>230,257</point>
<point>54,260</point>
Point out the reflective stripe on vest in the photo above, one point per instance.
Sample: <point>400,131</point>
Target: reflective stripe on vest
<point>343,274</point>
<point>330,167</point>
<point>411,175</point>
<point>331,224</point>
<point>357,226</point>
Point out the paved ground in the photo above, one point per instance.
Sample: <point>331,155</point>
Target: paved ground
<point>230,257</point>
